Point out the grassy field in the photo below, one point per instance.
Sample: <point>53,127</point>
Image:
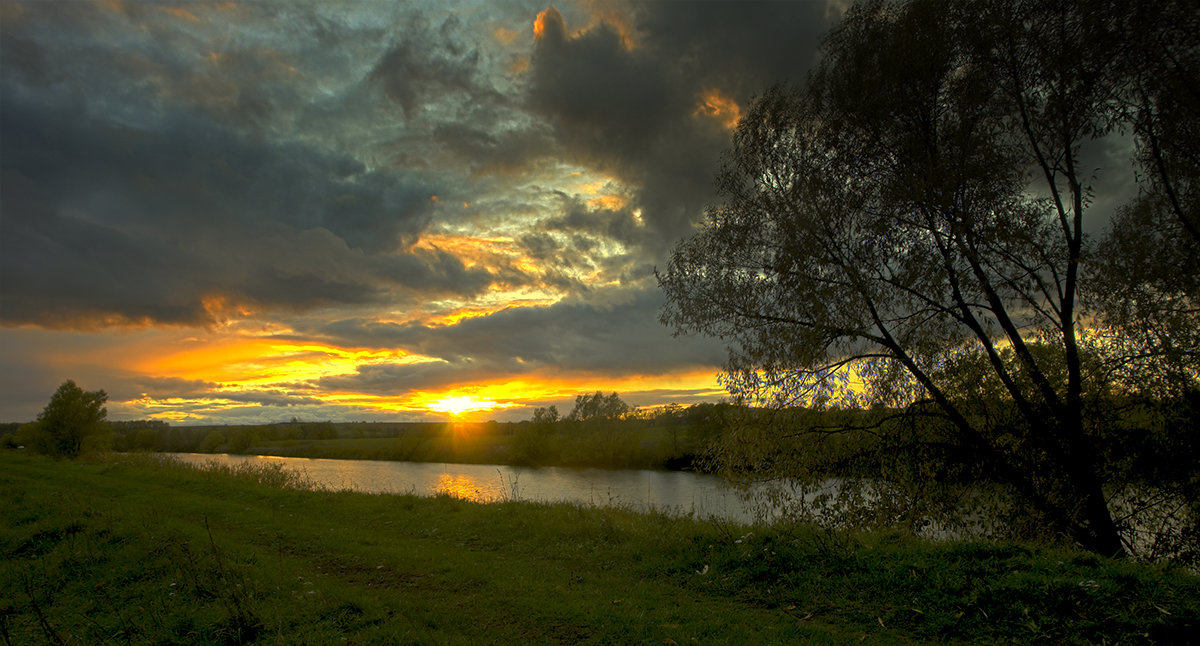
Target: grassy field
<point>128,551</point>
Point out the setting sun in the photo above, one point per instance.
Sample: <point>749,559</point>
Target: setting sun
<point>460,405</point>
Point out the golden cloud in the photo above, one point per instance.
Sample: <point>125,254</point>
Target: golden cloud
<point>181,13</point>
<point>547,19</point>
<point>617,16</point>
<point>717,105</point>
<point>518,65</point>
<point>607,203</point>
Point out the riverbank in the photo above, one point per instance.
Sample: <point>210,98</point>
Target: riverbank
<point>133,552</point>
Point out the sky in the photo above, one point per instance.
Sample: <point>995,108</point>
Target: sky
<point>248,212</point>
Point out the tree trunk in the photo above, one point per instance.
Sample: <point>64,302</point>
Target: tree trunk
<point>1094,527</point>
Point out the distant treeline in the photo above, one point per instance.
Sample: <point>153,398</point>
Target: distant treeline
<point>153,435</point>
<point>601,432</point>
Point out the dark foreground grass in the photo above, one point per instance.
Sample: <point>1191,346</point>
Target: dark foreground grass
<point>130,552</point>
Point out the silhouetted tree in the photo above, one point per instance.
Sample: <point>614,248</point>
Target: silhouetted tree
<point>908,227</point>
<point>1159,94</point>
<point>598,406</point>
<point>72,416</point>
<point>545,416</point>
<point>533,441</point>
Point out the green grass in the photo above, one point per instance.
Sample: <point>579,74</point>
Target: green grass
<point>127,551</point>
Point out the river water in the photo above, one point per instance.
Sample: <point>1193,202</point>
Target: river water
<point>674,492</point>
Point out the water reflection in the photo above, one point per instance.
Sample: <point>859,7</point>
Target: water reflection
<point>464,486</point>
<point>669,491</point>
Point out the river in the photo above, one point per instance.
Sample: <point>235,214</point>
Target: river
<point>674,492</point>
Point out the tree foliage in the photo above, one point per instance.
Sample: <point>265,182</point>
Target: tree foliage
<point>598,407</point>
<point>904,238</point>
<point>545,416</point>
<point>68,421</point>
<point>1146,277</point>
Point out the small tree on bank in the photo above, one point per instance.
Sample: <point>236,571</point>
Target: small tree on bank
<point>72,416</point>
<point>598,417</point>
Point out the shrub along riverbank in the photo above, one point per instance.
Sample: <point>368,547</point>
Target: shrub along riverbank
<point>129,551</point>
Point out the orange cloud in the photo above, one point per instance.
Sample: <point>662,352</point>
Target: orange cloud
<point>518,65</point>
<point>455,316</point>
<point>716,105</point>
<point>221,309</point>
<point>601,200</point>
<point>593,188</point>
<point>471,250</point>
<point>607,202</point>
<point>548,19</point>
<point>616,16</point>
<point>504,35</point>
<point>257,362</point>
<point>496,253</point>
<point>181,13</point>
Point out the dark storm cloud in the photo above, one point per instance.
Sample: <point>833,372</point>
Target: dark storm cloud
<point>500,151</point>
<point>741,46</point>
<point>142,223</point>
<point>612,101</point>
<point>260,397</point>
<point>397,379</point>
<point>426,63</point>
<point>619,225</point>
<point>621,338</point>
<point>632,112</point>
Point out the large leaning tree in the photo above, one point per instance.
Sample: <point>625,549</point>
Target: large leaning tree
<point>905,239</point>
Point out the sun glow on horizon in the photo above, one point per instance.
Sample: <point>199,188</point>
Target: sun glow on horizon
<point>461,404</point>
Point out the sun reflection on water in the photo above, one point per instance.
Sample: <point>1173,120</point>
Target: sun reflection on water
<point>467,488</point>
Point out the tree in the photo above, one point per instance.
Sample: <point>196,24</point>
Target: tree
<point>598,407</point>
<point>72,416</point>
<point>904,236</point>
<point>1160,98</point>
<point>1146,277</point>
<point>534,441</point>
<point>596,422</point>
<point>545,416</point>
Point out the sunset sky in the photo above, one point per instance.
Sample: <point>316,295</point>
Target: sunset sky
<point>245,212</point>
